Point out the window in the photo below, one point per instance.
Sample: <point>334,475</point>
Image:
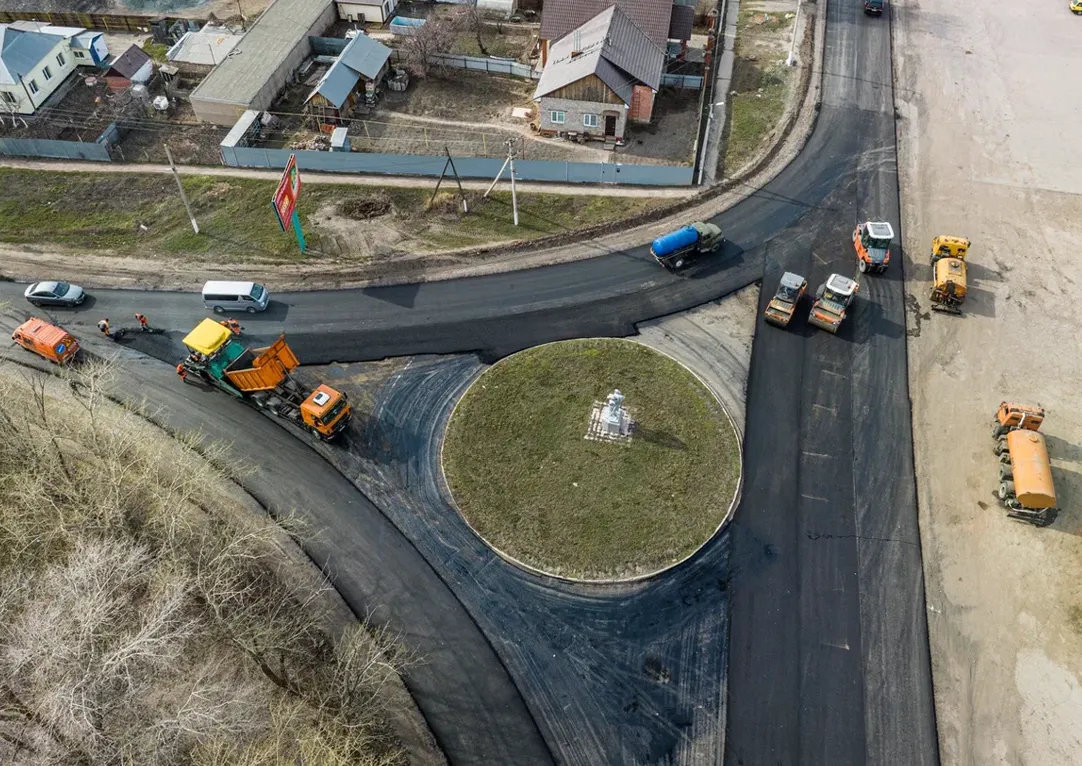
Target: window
<point>589,120</point>
<point>557,118</point>
<point>47,73</point>
<point>33,85</point>
<point>60,59</point>
<point>10,97</point>
<point>79,54</point>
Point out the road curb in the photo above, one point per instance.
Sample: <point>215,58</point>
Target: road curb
<point>445,488</point>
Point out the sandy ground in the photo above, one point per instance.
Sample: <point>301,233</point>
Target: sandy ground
<point>989,100</point>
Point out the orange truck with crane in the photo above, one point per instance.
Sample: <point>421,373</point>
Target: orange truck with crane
<point>263,378</point>
<point>1025,472</point>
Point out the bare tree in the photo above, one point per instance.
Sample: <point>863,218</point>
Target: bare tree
<point>436,35</point>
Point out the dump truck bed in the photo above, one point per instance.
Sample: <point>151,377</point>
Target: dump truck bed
<point>1032,470</point>
<point>262,369</point>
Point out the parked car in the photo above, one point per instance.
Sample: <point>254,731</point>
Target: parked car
<point>54,294</point>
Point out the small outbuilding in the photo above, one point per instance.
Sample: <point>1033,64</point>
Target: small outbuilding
<point>359,70</point>
<point>371,12</point>
<point>133,66</point>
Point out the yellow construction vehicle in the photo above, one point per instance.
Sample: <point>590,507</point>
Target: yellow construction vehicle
<point>1025,472</point>
<point>1076,7</point>
<point>949,273</point>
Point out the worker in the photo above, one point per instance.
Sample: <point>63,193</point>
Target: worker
<point>232,325</point>
<point>182,371</point>
<point>197,357</point>
<point>143,324</point>
<point>103,325</point>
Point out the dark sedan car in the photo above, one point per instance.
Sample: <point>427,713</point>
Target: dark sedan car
<point>54,294</point>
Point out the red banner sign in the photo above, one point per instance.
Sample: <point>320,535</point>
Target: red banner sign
<point>285,196</point>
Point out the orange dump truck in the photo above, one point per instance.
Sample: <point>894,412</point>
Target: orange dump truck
<point>263,377</point>
<point>1025,472</point>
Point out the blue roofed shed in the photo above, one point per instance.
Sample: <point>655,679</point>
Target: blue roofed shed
<point>360,67</point>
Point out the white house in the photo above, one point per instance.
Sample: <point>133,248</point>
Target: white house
<point>372,12</point>
<point>88,48</point>
<point>32,66</point>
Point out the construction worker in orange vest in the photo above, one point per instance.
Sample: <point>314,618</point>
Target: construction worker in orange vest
<point>143,324</point>
<point>182,371</point>
<point>232,325</point>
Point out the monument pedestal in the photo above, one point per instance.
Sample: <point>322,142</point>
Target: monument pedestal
<point>610,421</point>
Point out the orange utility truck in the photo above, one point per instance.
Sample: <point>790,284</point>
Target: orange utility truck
<point>263,377</point>
<point>46,340</point>
<point>1025,473</point>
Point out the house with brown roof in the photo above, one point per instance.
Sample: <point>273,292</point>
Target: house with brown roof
<point>599,76</point>
<point>131,67</point>
<point>660,20</point>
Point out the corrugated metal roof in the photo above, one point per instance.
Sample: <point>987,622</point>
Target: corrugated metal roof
<point>254,60</point>
<point>610,46</point>
<point>362,57</point>
<point>208,46</point>
<point>337,84</point>
<point>21,51</point>
<point>558,17</point>
<point>129,62</point>
<point>365,56</point>
<point>682,22</point>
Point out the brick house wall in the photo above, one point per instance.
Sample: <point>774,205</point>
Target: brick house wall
<point>574,112</point>
<point>642,104</point>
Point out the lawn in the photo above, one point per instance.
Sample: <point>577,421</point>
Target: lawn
<point>527,480</point>
<point>753,115</point>
<point>142,214</point>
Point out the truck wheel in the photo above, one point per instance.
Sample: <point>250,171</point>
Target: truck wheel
<point>219,310</point>
<point>251,309</point>
<point>1000,448</point>
<point>679,264</point>
<point>1006,473</point>
<point>1004,457</point>
<point>862,265</point>
<point>1006,490</point>
<point>998,430</point>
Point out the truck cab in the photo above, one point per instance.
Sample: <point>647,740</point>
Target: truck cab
<point>873,7</point>
<point>871,240</point>
<point>325,412</point>
<point>832,300</point>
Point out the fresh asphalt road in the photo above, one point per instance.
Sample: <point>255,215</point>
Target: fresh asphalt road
<point>828,657</point>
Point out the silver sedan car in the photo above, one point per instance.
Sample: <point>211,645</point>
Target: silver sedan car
<point>54,294</point>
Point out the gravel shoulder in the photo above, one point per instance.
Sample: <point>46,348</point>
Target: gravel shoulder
<point>988,101</point>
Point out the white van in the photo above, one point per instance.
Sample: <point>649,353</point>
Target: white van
<point>235,296</point>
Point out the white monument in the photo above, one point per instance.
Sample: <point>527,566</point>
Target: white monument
<point>610,421</point>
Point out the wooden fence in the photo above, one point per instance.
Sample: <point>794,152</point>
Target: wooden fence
<point>108,22</point>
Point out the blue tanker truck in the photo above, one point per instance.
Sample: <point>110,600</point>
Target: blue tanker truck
<point>676,250</point>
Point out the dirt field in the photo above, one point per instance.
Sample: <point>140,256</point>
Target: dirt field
<point>989,104</point>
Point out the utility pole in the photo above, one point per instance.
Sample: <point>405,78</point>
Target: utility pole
<point>792,45</point>
<point>443,173</point>
<point>240,12</point>
<point>509,160</point>
<point>180,186</point>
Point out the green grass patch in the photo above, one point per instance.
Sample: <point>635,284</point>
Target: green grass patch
<point>142,214</point>
<point>157,51</point>
<point>529,483</point>
<point>501,46</point>
<point>753,114</point>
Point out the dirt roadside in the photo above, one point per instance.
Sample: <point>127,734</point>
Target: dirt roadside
<point>109,271</point>
<point>987,103</point>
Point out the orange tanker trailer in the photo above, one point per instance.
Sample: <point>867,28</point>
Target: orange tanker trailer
<point>1025,472</point>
